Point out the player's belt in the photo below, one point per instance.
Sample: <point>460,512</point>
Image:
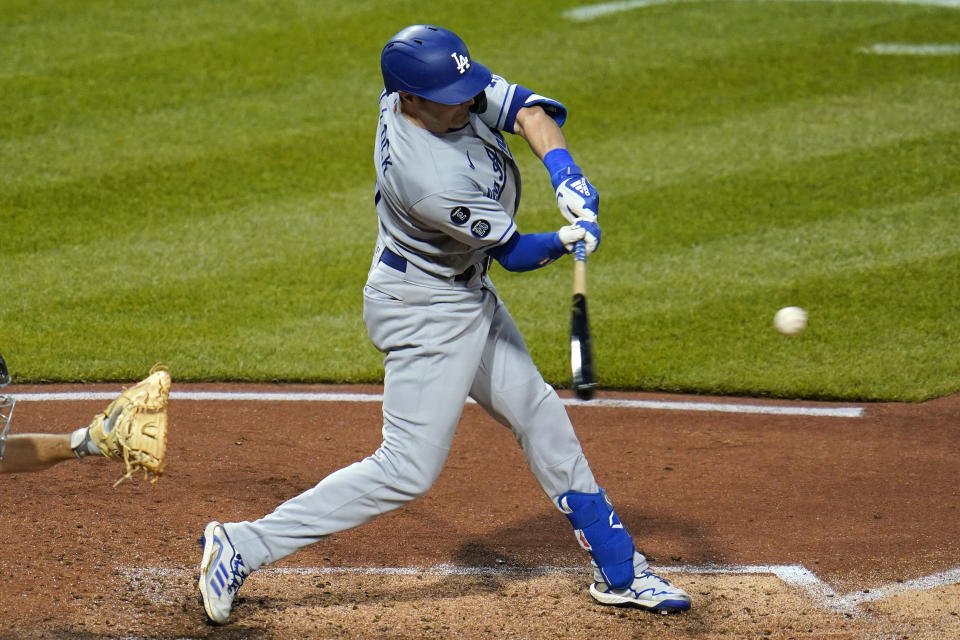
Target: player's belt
<point>399,263</point>
<point>466,275</point>
<point>391,259</point>
<point>472,271</point>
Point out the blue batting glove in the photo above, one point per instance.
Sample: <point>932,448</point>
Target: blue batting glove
<point>577,199</point>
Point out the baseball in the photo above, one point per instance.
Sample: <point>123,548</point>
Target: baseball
<point>790,320</point>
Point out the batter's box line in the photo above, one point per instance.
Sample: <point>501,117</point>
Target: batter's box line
<point>820,592</point>
<point>794,575</point>
<point>320,396</point>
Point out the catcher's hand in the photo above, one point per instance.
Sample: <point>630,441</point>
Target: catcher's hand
<point>134,427</point>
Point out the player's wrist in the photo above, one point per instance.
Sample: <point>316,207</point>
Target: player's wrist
<point>558,245</point>
<point>560,166</point>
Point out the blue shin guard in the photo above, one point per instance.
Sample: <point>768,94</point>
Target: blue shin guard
<point>599,531</point>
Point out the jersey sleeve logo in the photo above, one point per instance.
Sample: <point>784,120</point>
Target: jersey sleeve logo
<point>460,215</point>
<point>480,228</point>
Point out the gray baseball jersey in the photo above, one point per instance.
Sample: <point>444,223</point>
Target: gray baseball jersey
<point>430,307</point>
<point>443,200</point>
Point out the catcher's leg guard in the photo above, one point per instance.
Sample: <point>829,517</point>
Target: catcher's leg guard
<point>6,406</point>
<point>6,412</point>
<point>599,531</point>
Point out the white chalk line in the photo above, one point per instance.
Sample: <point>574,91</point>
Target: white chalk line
<point>903,49</point>
<point>585,13</point>
<point>824,595</point>
<point>793,575</point>
<point>277,396</point>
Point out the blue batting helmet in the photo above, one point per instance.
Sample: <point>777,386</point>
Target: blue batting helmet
<point>433,63</point>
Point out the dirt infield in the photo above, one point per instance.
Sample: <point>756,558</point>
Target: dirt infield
<point>778,525</point>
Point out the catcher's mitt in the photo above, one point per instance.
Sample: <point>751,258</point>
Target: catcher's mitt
<point>134,427</point>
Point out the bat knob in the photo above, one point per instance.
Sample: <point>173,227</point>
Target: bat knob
<point>585,391</point>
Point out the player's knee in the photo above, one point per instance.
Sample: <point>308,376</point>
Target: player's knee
<point>417,485</point>
<point>406,474</point>
<point>599,531</point>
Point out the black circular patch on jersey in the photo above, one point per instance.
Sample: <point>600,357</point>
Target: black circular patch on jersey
<point>460,215</point>
<point>480,228</point>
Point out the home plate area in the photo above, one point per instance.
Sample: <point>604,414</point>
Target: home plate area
<point>781,519</point>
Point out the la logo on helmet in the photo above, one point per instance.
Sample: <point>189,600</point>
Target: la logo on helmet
<point>463,62</point>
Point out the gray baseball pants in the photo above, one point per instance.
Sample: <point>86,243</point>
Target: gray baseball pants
<point>444,341</point>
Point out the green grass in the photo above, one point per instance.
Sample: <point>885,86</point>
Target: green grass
<point>191,182</point>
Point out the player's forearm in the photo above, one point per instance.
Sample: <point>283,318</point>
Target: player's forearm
<point>528,251</point>
<point>576,197</point>
<point>539,130</point>
<point>35,451</point>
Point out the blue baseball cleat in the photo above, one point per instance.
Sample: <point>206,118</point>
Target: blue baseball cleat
<point>222,572</point>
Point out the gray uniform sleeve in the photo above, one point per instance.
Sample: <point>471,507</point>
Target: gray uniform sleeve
<point>503,101</point>
<point>478,222</point>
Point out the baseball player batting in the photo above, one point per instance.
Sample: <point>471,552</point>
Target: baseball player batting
<point>447,192</point>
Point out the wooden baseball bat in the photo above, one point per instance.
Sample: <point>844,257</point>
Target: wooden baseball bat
<point>581,351</point>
